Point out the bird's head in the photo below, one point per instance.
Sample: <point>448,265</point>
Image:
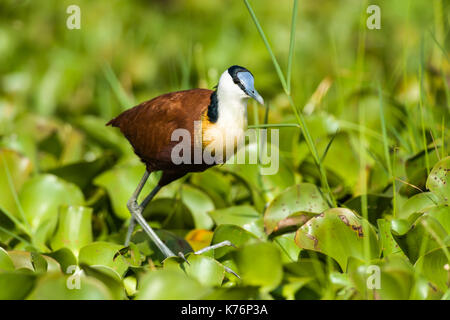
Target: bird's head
<point>238,82</point>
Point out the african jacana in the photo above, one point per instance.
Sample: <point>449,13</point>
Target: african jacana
<point>149,126</point>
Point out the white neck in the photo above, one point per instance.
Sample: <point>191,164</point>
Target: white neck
<point>232,103</point>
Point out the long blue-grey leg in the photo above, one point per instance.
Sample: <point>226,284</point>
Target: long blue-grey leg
<point>136,213</point>
<point>131,202</point>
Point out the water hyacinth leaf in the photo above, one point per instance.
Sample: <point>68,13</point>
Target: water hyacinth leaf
<point>108,138</point>
<point>170,213</point>
<point>215,184</point>
<point>387,242</point>
<point>244,216</point>
<point>416,170</point>
<point>288,248</point>
<point>64,257</point>
<point>199,203</point>
<point>90,169</point>
<point>236,235</point>
<point>6,264</point>
<point>74,228</point>
<point>339,233</point>
<point>417,203</point>
<point>39,263</point>
<point>33,261</point>
<point>147,247</point>
<point>435,267</point>
<point>103,254</point>
<point>42,195</point>
<point>15,285</point>
<point>14,171</point>
<point>376,205</point>
<point>259,167</point>
<point>440,213</point>
<point>438,181</point>
<point>204,269</point>
<point>56,286</point>
<point>108,277</point>
<point>182,287</point>
<point>382,279</point>
<point>120,183</point>
<point>131,254</point>
<point>259,264</point>
<point>425,234</point>
<point>302,197</point>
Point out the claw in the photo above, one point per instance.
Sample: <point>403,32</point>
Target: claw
<point>181,255</point>
<point>232,272</point>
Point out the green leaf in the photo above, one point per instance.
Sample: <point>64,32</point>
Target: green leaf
<point>42,195</point>
<point>64,257</point>
<point>89,169</point>
<point>199,203</point>
<point>435,266</point>
<point>288,247</point>
<point>387,242</point>
<point>169,285</point>
<point>259,264</point>
<point>417,203</point>
<point>14,171</point>
<point>236,235</point>
<point>120,183</point>
<point>103,254</point>
<point>425,234</point>
<point>74,228</point>
<point>33,261</point>
<point>6,264</point>
<point>376,205</point>
<point>244,216</point>
<point>15,285</point>
<point>54,286</point>
<point>396,279</point>
<point>205,270</point>
<point>438,181</point>
<point>303,197</point>
<point>339,233</point>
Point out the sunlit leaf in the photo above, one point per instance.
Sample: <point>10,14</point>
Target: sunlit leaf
<point>303,197</point>
<point>339,233</point>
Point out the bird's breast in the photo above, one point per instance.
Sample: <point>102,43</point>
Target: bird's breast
<point>223,137</point>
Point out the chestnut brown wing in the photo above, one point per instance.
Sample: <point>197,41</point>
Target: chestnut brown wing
<point>149,125</point>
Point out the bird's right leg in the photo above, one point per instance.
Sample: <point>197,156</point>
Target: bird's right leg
<point>136,214</point>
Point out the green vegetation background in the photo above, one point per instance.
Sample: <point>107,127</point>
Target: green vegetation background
<point>362,193</point>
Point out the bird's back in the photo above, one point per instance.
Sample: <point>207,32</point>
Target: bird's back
<point>149,125</point>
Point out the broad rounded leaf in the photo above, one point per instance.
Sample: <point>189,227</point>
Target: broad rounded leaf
<point>438,181</point>
<point>56,286</point>
<point>302,197</point>
<point>74,228</point>
<point>236,235</point>
<point>14,171</point>
<point>339,233</point>
<point>103,254</point>
<point>435,267</point>
<point>259,264</point>
<point>245,217</point>
<point>6,264</point>
<point>15,285</point>
<point>120,183</point>
<point>169,285</point>
<point>42,195</point>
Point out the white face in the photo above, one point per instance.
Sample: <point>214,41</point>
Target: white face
<point>228,89</point>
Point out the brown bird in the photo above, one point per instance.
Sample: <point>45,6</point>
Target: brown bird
<point>169,132</point>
